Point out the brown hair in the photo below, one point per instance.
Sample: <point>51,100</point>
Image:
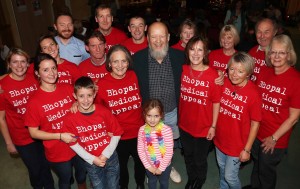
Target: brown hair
<point>97,34</point>
<point>153,103</point>
<point>191,44</point>
<point>116,48</point>
<point>84,82</point>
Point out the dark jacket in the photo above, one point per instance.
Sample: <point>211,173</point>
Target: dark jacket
<point>140,66</point>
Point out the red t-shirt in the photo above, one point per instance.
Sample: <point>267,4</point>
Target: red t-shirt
<point>260,61</point>
<point>68,72</point>
<point>87,68</point>
<point>92,129</point>
<point>13,101</point>
<point>30,69</point>
<point>132,47</point>
<point>279,93</point>
<point>219,60</point>
<point>178,46</point>
<point>122,97</point>
<point>236,113</point>
<point>197,96</point>
<point>115,37</point>
<point>46,110</point>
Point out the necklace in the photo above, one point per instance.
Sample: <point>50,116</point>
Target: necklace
<point>237,89</point>
<point>197,76</point>
<point>161,143</point>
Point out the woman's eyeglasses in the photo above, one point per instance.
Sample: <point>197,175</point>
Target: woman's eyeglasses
<point>278,53</point>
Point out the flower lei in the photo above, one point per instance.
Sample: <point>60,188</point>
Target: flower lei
<point>162,147</point>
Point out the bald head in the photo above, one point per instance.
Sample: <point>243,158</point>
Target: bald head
<point>158,26</point>
<point>158,39</point>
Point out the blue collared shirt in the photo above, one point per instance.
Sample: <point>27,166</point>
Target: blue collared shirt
<point>74,51</point>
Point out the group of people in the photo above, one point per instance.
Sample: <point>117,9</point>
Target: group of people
<point>93,104</point>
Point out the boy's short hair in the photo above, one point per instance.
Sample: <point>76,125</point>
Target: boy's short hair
<point>84,82</point>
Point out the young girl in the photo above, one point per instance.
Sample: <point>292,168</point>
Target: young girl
<point>155,145</point>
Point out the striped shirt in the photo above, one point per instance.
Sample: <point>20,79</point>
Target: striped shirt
<point>144,153</point>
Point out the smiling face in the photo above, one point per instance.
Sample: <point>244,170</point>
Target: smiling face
<point>227,41</point>
<point>85,98</point>
<point>50,47</point>
<point>196,54</point>
<point>153,117</point>
<point>18,65</point>
<point>47,72</point>
<point>64,26</point>
<point>158,39</point>
<point>137,28</point>
<point>264,33</point>
<point>104,19</point>
<point>279,55</point>
<point>119,64</point>
<point>238,74</point>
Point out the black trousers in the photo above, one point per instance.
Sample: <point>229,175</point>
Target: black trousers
<point>264,174</point>
<point>38,168</point>
<point>195,156</point>
<point>125,149</point>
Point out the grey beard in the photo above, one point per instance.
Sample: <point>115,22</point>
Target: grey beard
<point>159,55</point>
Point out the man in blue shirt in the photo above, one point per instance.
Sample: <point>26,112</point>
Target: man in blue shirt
<point>70,47</point>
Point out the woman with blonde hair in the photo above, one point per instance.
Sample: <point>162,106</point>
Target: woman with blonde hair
<point>229,38</point>
<point>279,85</point>
<point>18,87</point>
<point>238,121</point>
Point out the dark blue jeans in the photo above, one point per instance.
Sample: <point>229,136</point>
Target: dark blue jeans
<point>106,177</point>
<point>38,168</point>
<point>125,149</point>
<point>264,169</point>
<point>163,179</point>
<point>64,171</point>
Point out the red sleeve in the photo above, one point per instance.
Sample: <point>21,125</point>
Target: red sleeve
<point>255,108</point>
<point>112,122</point>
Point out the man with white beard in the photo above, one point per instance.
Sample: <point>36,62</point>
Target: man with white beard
<point>158,69</point>
<point>70,47</point>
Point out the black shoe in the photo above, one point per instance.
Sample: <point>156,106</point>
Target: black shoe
<point>140,186</point>
<point>123,187</point>
<point>196,185</point>
<point>182,151</point>
<point>189,185</point>
<point>247,187</point>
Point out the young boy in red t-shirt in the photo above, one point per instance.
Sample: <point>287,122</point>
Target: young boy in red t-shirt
<point>98,133</point>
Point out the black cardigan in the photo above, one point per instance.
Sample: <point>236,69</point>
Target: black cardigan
<point>140,66</point>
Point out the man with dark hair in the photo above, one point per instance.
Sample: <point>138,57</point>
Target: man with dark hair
<point>94,67</point>
<point>138,41</point>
